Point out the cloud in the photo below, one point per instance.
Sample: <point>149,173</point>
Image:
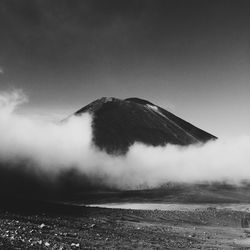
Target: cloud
<point>43,153</point>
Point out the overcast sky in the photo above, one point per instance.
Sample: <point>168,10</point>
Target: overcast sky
<point>190,57</point>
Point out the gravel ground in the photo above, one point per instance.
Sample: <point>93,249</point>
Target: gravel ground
<point>100,228</point>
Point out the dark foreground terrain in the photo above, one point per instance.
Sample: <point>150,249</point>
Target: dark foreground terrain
<point>53,226</point>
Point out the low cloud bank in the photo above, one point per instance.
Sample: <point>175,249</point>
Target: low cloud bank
<point>49,152</point>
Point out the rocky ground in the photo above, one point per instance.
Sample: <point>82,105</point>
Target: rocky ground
<point>69,227</point>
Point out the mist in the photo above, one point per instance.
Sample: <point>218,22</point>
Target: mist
<point>42,151</point>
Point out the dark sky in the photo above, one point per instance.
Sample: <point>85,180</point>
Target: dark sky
<point>191,57</point>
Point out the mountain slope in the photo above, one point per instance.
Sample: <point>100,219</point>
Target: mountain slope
<point>117,124</point>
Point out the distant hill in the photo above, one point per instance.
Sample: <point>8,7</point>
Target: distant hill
<point>117,124</point>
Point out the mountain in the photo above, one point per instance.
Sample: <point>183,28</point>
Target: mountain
<point>117,124</point>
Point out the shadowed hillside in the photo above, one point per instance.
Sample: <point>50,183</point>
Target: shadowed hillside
<point>117,124</point>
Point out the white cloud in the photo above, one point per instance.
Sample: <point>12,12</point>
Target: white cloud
<point>53,147</point>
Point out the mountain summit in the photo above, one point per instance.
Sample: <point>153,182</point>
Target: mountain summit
<point>117,124</point>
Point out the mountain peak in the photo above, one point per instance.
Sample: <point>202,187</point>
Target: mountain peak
<point>139,101</point>
<point>118,124</point>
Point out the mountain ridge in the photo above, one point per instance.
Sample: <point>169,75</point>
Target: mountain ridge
<point>117,124</point>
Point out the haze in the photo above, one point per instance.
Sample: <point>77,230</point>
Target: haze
<point>48,150</point>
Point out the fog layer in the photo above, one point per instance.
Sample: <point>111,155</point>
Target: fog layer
<point>44,150</point>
